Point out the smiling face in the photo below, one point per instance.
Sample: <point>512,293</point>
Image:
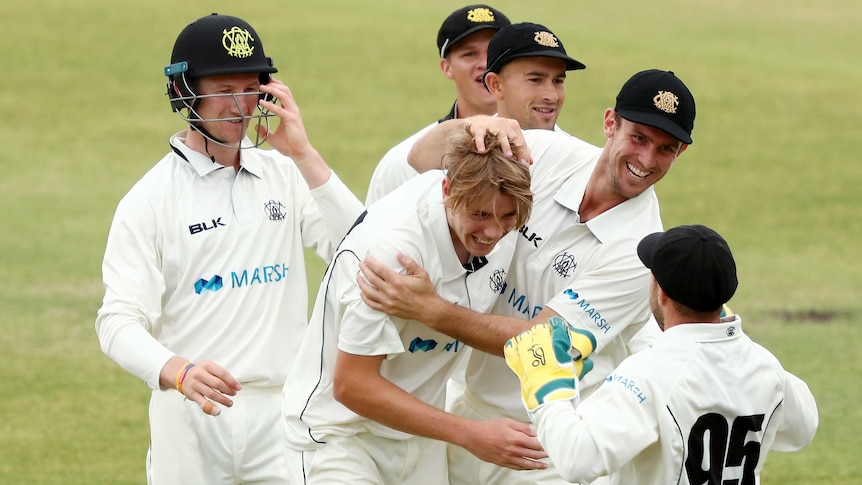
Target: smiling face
<point>638,155</point>
<point>464,64</point>
<point>531,90</point>
<point>478,227</point>
<point>234,110</point>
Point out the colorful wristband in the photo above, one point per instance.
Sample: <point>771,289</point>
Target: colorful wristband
<point>181,376</point>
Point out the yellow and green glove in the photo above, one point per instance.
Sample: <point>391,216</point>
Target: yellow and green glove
<point>547,360</point>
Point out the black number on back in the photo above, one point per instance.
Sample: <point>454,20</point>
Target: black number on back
<point>710,435</point>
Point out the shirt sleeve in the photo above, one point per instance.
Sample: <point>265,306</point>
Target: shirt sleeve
<point>328,215</point>
<point>133,291</point>
<point>799,416</point>
<point>605,432</point>
<point>609,296</point>
<point>365,331</point>
<point>393,169</point>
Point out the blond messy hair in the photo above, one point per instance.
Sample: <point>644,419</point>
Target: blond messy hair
<point>475,178</point>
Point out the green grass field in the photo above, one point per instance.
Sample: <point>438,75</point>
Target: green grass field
<point>774,167</point>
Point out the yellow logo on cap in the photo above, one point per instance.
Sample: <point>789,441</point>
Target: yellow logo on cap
<point>480,15</point>
<point>235,41</point>
<point>666,101</point>
<point>546,39</point>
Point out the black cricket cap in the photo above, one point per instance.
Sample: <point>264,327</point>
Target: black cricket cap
<point>526,39</point>
<point>692,264</point>
<point>465,21</point>
<point>658,99</point>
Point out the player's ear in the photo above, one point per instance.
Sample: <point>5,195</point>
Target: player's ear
<point>610,123</point>
<point>446,67</point>
<point>682,149</point>
<point>445,187</point>
<point>492,82</point>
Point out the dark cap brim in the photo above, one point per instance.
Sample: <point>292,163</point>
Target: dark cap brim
<point>446,48</point>
<point>571,64</point>
<point>657,121</point>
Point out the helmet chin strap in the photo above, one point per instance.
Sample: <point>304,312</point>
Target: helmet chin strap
<point>207,137</point>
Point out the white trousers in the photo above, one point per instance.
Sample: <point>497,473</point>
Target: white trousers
<point>240,445</point>
<point>366,459</point>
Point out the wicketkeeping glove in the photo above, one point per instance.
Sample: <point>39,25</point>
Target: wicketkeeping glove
<point>547,358</point>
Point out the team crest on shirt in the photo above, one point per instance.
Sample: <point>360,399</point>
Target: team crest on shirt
<point>274,210</point>
<point>498,281</point>
<point>564,265</point>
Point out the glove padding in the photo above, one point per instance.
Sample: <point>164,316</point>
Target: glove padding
<point>546,360</point>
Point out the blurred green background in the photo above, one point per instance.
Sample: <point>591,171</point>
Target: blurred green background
<point>775,168</point>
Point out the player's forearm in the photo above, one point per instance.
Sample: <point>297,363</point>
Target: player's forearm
<point>312,167</point>
<point>485,332</point>
<point>391,406</point>
<point>427,153</point>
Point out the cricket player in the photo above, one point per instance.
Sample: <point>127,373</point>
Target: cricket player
<point>526,74</point>
<point>527,65</point>
<point>575,257</point>
<point>462,43</point>
<point>204,270</point>
<point>705,404</point>
<point>363,402</point>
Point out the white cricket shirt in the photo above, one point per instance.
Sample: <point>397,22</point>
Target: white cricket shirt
<point>411,220</point>
<point>705,401</point>
<point>393,170</point>
<point>589,273</point>
<point>208,263</point>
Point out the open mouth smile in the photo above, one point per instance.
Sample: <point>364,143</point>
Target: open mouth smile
<point>636,172</point>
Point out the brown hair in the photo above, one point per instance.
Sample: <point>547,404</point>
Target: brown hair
<point>476,177</point>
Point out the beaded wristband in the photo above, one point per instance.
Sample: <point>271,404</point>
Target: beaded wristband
<point>181,376</point>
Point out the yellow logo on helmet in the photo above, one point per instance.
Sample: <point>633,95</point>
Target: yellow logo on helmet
<point>480,14</point>
<point>666,101</point>
<point>235,41</point>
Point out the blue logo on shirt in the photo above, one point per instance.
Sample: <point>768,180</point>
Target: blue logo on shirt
<point>590,310</point>
<point>264,274</point>
<point>423,345</point>
<point>246,277</point>
<point>628,384</point>
<point>419,343</point>
<point>520,303</point>
<point>213,284</point>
